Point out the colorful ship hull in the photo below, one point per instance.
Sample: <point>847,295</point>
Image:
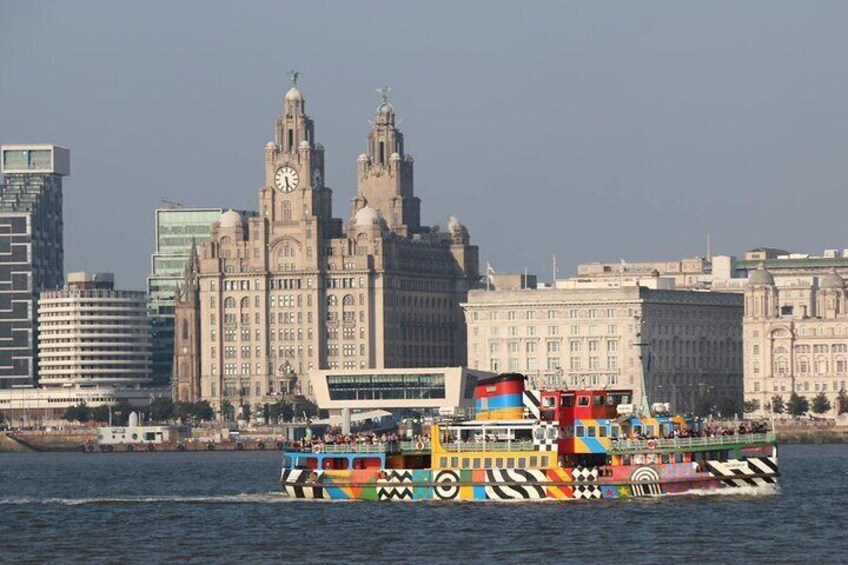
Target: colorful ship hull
<point>540,445</point>
<point>755,471</point>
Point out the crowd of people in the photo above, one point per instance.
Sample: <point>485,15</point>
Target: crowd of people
<point>334,436</point>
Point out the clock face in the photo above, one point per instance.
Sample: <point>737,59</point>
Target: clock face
<point>286,179</point>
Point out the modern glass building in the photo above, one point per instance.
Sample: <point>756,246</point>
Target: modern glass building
<point>31,250</point>
<point>176,229</point>
<point>424,391</point>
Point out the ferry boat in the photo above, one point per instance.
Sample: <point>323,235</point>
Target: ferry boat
<point>540,445</point>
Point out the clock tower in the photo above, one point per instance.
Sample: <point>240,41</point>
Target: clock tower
<point>294,190</point>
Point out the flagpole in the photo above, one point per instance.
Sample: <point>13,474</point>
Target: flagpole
<point>553,284</point>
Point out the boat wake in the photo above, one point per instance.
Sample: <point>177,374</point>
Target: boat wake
<point>242,498</point>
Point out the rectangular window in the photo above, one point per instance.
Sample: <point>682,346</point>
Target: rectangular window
<point>510,463</point>
<point>476,462</point>
<point>522,463</point>
<point>534,461</point>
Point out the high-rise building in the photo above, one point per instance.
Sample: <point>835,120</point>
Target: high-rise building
<point>31,250</point>
<point>91,334</point>
<point>296,289</point>
<point>686,344</point>
<point>177,229</point>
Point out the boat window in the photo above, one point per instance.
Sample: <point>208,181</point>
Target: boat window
<point>637,430</point>
<point>678,457</point>
<point>591,431</point>
<point>334,463</point>
<point>568,400</point>
<point>534,461</point>
<point>306,463</point>
<point>602,431</point>
<point>476,462</point>
<point>454,461</point>
<point>650,429</point>
<point>464,462</point>
<point>599,400</point>
<point>487,463</point>
<point>539,433</point>
<point>666,457</point>
<point>582,401</point>
<point>545,461</point>
<point>510,463</point>
<point>614,430</point>
<point>522,462</point>
<point>549,402</point>
<point>499,463</point>
<point>287,462</point>
<point>443,462</point>
<point>552,433</point>
<point>579,431</point>
<point>625,460</point>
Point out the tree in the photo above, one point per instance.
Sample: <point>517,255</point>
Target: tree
<point>727,406</point>
<point>820,403</point>
<point>203,410</point>
<point>842,402</point>
<point>797,405</point>
<point>280,411</point>
<point>303,405</point>
<point>184,410</point>
<point>100,414</point>
<point>78,413</point>
<point>751,406</point>
<point>777,405</point>
<point>227,410</point>
<point>161,409</point>
<point>245,412</point>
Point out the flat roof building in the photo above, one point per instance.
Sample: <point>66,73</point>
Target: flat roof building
<point>91,334</point>
<point>31,250</point>
<point>425,391</point>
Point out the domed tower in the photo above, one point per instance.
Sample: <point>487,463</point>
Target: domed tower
<point>830,297</point>
<point>761,295</point>
<point>294,188</point>
<point>384,174</point>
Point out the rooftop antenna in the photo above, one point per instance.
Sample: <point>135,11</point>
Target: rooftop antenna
<point>709,252</point>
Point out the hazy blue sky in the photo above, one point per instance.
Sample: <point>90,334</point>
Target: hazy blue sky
<point>593,130</point>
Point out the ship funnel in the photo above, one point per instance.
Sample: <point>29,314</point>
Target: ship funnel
<point>500,397</point>
<point>133,421</point>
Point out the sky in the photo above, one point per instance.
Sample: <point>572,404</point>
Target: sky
<point>593,131</point>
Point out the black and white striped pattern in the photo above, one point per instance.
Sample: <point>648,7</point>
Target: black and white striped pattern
<point>549,436</point>
<point>648,476</point>
<point>532,400</point>
<point>302,483</point>
<point>739,472</point>
<point>586,477</point>
<point>505,484</point>
<point>392,487</point>
<point>447,485</point>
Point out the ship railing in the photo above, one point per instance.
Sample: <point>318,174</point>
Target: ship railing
<point>690,442</point>
<point>387,447</point>
<point>478,446</point>
<point>415,445</point>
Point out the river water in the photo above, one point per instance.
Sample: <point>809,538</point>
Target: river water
<point>226,507</point>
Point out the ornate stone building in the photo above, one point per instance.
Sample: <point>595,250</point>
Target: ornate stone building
<point>796,337</point>
<point>273,297</point>
<point>688,343</point>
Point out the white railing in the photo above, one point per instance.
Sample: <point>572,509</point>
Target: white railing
<point>689,442</point>
<point>482,446</point>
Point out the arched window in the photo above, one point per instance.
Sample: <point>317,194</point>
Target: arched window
<point>781,366</point>
<point>821,365</point>
<point>348,300</point>
<point>230,302</point>
<point>245,303</point>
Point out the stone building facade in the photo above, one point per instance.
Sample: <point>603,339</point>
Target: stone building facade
<point>274,297</point>
<point>796,337</point>
<point>688,344</point>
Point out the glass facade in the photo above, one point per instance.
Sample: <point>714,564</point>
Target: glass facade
<point>31,261</point>
<point>387,387</point>
<point>175,230</point>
